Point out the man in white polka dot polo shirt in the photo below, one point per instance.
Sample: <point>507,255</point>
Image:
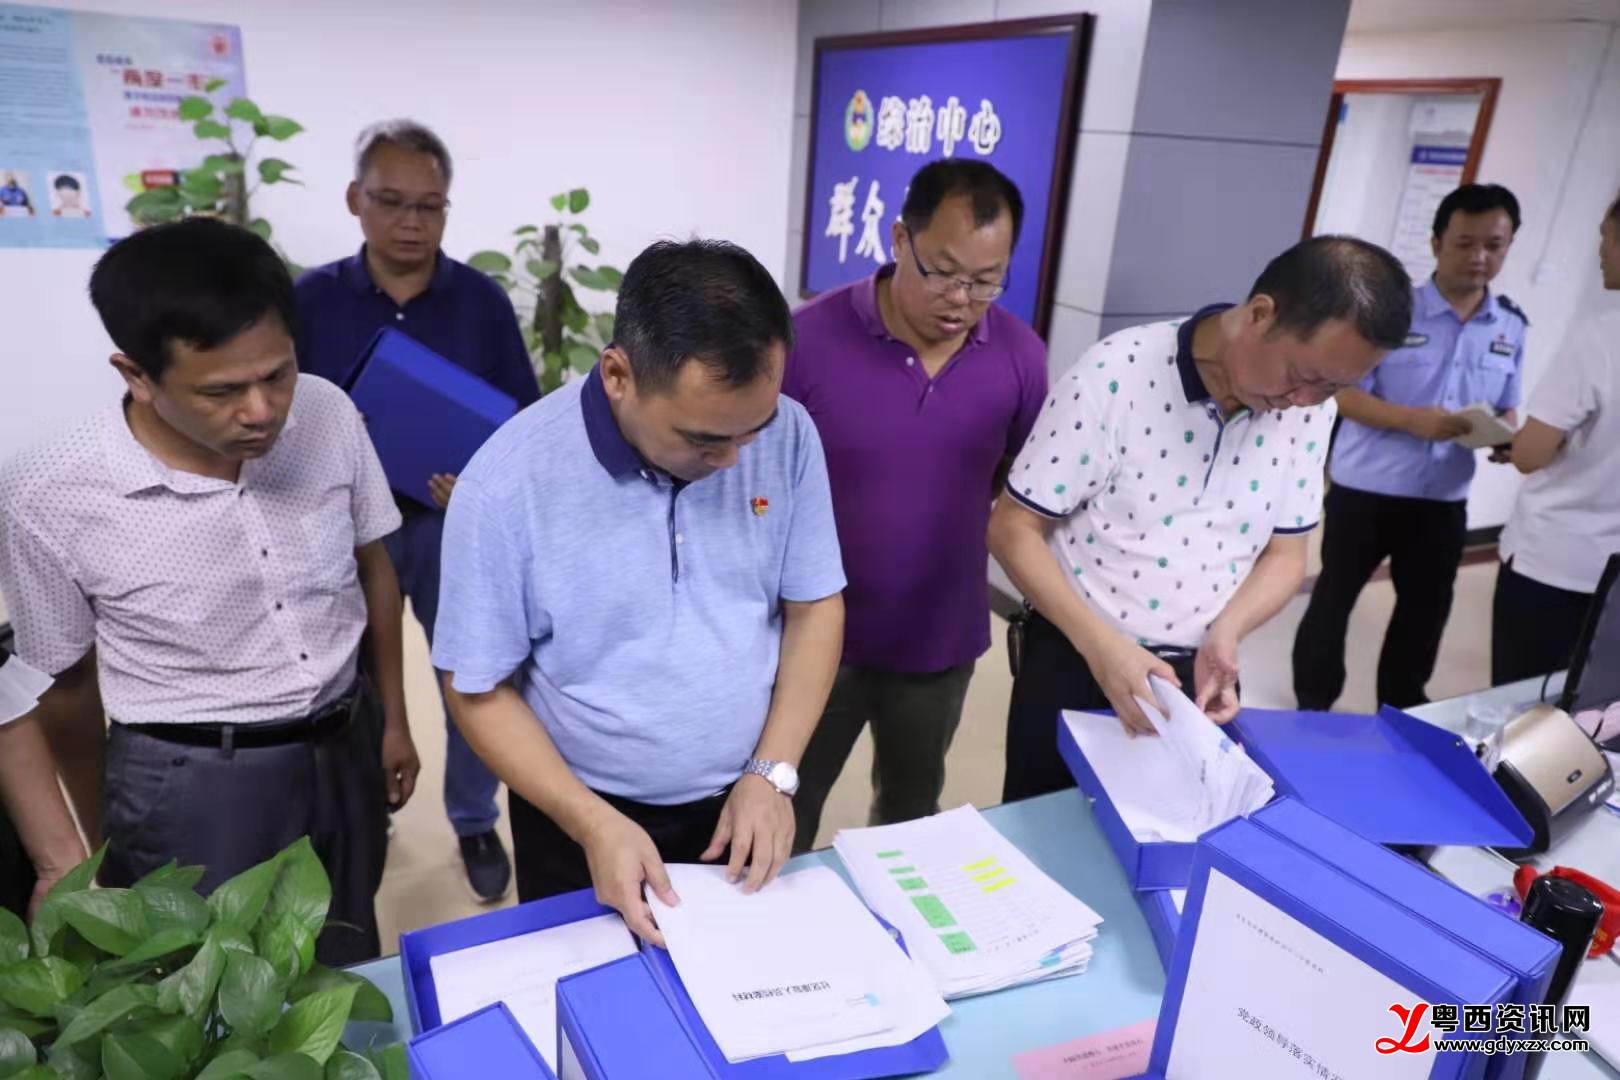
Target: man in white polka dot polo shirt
<point>209,550</point>
<point>1158,512</point>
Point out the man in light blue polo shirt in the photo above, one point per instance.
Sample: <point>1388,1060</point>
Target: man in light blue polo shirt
<point>642,610</point>
<point>1400,484</point>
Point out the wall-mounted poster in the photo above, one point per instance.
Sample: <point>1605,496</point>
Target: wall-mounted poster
<point>90,104</point>
<point>886,104</point>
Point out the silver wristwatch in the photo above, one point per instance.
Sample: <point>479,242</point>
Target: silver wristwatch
<point>782,776</point>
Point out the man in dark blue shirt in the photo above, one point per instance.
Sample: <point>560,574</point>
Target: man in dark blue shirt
<point>400,278</point>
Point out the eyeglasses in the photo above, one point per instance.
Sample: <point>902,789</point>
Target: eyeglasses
<point>392,206</point>
<point>941,283</point>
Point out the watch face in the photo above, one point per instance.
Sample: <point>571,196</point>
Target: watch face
<point>784,777</point>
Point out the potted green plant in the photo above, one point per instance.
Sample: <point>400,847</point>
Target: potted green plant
<point>541,275</point>
<point>154,982</point>
<point>219,185</point>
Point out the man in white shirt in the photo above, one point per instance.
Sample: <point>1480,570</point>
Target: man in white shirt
<point>211,548</point>
<point>1159,512</point>
<point>1566,521</point>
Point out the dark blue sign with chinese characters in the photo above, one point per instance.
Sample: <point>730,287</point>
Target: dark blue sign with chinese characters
<point>887,104</point>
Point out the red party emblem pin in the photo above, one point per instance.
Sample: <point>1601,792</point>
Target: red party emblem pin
<point>759,504</point>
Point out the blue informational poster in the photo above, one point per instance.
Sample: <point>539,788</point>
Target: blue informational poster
<point>89,106</point>
<point>886,104</point>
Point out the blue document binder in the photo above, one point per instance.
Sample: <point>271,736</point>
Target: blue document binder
<point>1381,931</point>
<point>425,414</point>
<point>1391,778</point>
<point>1163,919</point>
<point>632,1018</point>
<point>480,1045</point>
<point>418,947</point>
<point>1525,952</point>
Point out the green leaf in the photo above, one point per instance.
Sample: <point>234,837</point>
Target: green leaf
<point>213,84</point>
<point>174,907</point>
<point>541,268</point>
<point>587,277</point>
<point>37,986</point>
<point>576,318</point>
<point>285,1067</point>
<point>490,262</point>
<point>108,1009</point>
<point>558,202</point>
<point>582,230</point>
<point>525,230</point>
<point>148,208</point>
<point>302,891</point>
<point>314,1025</point>
<point>287,944</point>
<point>113,920</point>
<point>249,994</point>
<point>182,1037</point>
<point>581,357</point>
<point>17,1053</point>
<point>391,1062</point>
<point>195,108</point>
<point>347,1065</point>
<point>590,244</point>
<point>191,989</point>
<point>243,109</point>
<point>605,325</point>
<point>13,939</point>
<point>165,942</point>
<point>260,228</point>
<point>370,1003</point>
<point>241,900</point>
<point>229,1064</point>
<point>279,128</point>
<point>27,1025</point>
<point>211,129</point>
<point>224,165</point>
<point>76,1062</point>
<point>578,200</point>
<point>138,1057</point>
<point>614,278</point>
<point>231,938</point>
<point>79,878</point>
<point>274,171</point>
<point>171,874</point>
<point>134,183</point>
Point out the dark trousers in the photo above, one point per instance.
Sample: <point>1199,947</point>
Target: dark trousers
<point>1423,540</point>
<point>1534,627</point>
<point>1053,677</point>
<point>16,870</point>
<point>469,786</point>
<point>546,862</point>
<point>229,808</point>
<point>913,718</point>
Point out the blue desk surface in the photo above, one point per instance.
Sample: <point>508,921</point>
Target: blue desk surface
<point>1122,987</point>
<point>1125,980</point>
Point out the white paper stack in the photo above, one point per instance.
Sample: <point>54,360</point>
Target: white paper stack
<point>799,968</point>
<point>974,911</point>
<point>523,972</point>
<point>1178,785</point>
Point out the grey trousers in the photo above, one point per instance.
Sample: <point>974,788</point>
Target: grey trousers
<point>913,718</point>
<point>228,809</point>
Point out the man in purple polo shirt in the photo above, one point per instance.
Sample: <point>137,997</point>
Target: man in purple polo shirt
<point>921,388</point>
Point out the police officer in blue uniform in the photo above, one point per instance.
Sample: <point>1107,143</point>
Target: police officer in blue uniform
<point>1400,484</point>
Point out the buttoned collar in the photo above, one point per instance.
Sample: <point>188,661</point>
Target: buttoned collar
<point>613,451</point>
<point>357,275</point>
<point>865,299</point>
<point>1192,383</point>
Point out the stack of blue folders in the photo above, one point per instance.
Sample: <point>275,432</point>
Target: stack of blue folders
<point>1328,924</point>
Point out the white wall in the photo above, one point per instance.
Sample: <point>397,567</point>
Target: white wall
<point>672,112</point>
<point>1555,141</point>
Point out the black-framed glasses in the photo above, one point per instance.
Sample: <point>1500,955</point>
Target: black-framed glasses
<point>395,206</point>
<point>940,283</point>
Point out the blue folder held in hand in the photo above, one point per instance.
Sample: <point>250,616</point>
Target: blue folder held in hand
<point>426,415</point>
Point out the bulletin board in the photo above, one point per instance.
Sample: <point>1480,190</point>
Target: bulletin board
<point>89,106</point>
<point>884,105</point>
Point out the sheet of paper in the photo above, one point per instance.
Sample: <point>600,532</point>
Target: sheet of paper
<point>21,687</point>
<point>1261,983</point>
<point>523,972</point>
<point>1598,984</point>
<point>799,966</point>
<point>974,911</point>
<point>1179,898</point>
<point>1112,1055</point>
<point>1488,429</point>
